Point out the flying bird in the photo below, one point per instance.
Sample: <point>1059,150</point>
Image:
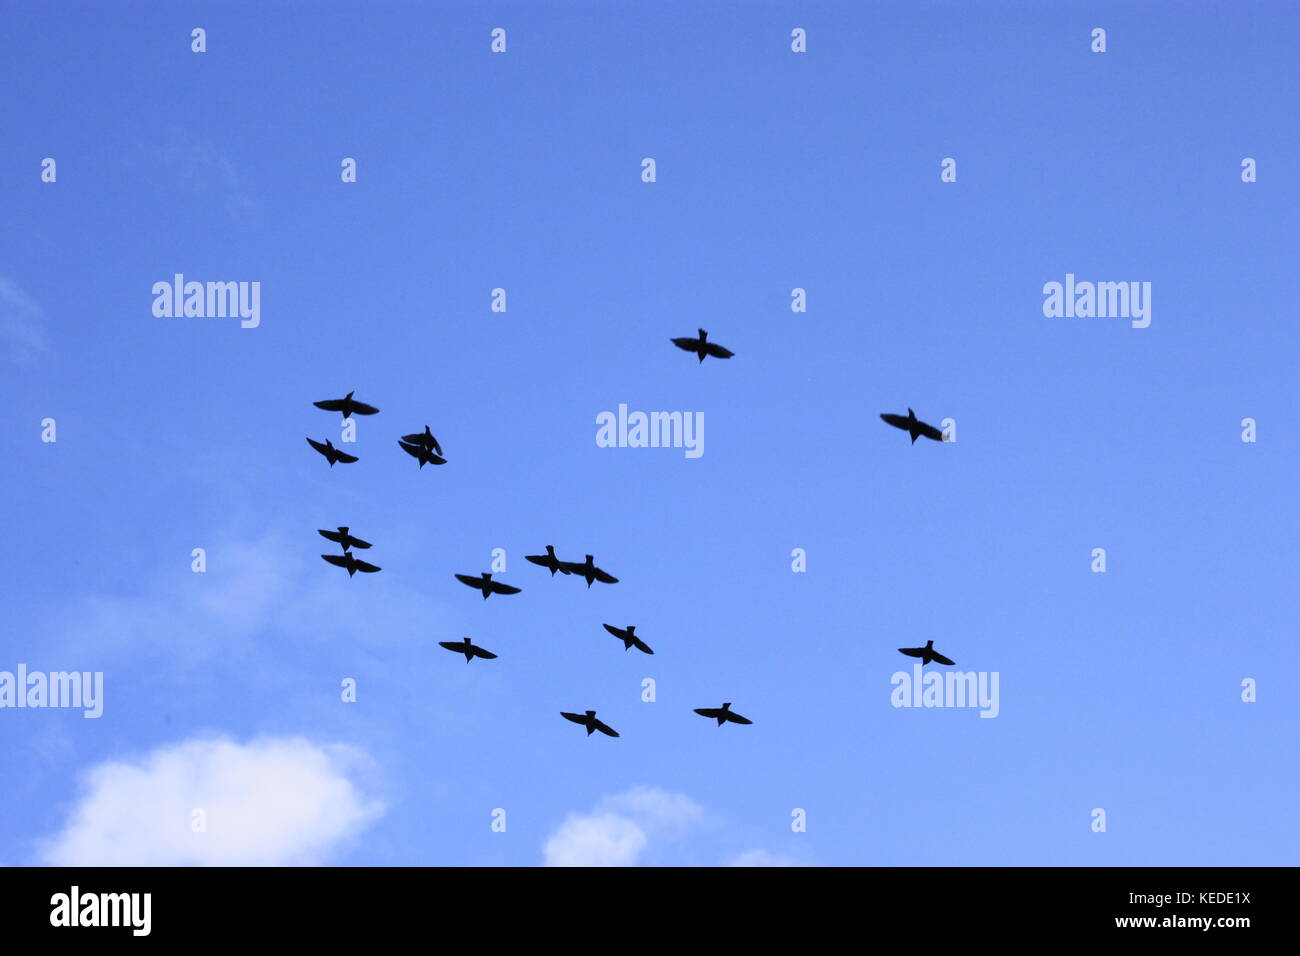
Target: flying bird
<point>913,427</point>
<point>724,714</point>
<point>485,584</point>
<point>470,651</point>
<point>702,346</point>
<point>927,654</point>
<point>589,721</point>
<point>350,561</point>
<point>424,439</point>
<point>423,454</point>
<point>343,537</point>
<point>348,405</point>
<point>629,638</point>
<point>331,453</point>
<point>587,570</point>
<point>548,560</point>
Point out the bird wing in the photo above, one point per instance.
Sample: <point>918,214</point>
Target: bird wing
<point>935,655</point>
<point>431,458</point>
<point>604,728</point>
<point>929,431</point>
<point>717,351</point>
<point>358,543</point>
<point>709,712</point>
<point>617,632</point>
<point>498,588</point>
<point>687,344</point>
<point>331,535</point>
<point>912,651</point>
<point>737,719</point>
<point>576,718</point>
<point>604,576</point>
<point>474,582</point>
<point>436,447</point>
<point>571,567</point>
<point>336,560</point>
<point>364,566</point>
<point>332,405</point>
<point>361,408</point>
<point>641,645</point>
<point>537,559</point>
<point>452,646</point>
<point>323,449</point>
<point>479,652</point>
<point>412,450</point>
<point>344,457</point>
<point>898,421</point>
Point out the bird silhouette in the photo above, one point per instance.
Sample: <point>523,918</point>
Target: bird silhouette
<point>927,654</point>
<point>331,453</point>
<point>702,346</point>
<point>587,570</point>
<point>343,537</point>
<point>350,561</point>
<point>912,426</point>
<point>425,439</point>
<point>348,405</point>
<point>423,454</point>
<point>470,651</point>
<point>724,714</point>
<point>589,721</point>
<point>548,560</point>
<point>629,638</point>
<point>485,584</point>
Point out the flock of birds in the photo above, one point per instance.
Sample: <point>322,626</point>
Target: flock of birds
<point>424,447</point>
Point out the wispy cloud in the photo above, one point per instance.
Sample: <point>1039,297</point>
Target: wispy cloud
<point>22,322</point>
<point>270,802</point>
<point>207,171</point>
<point>618,831</point>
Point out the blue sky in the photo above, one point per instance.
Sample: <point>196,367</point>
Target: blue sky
<point>775,171</point>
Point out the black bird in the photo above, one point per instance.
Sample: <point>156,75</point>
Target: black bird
<point>425,455</point>
<point>629,638</point>
<point>485,584</point>
<point>350,561</point>
<point>589,721</point>
<point>913,427</point>
<point>587,570</point>
<point>343,537</point>
<point>927,654</point>
<point>425,439</point>
<point>470,651</point>
<point>702,346</point>
<point>331,453</point>
<point>723,714</point>
<point>348,405</point>
<point>548,560</point>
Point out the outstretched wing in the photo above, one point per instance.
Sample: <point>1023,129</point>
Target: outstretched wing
<point>542,559</point>
<point>474,582</point>
<point>935,655</point>
<point>361,408</point>
<point>687,344</point>
<point>498,588</point>
<point>929,431</point>
<point>604,728</point>
<point>357,542</point>
<point>364,566</point>
<point>479,652</point>
<point>912,651</point>
<point>331,535</point>
<point>344,457</point>
<point>336,560</point>
<point>323,449</point>
<point>710,712</point>
<point>332,405</point>
<point>717,351</point>
<point>413,450</point>
<point>431,458</point>
<point>737,719</point>
<point>641,645</point>
<point>898,421</point>
<point>576,718</point>
<point>604,576</point>
<point>616,631</point>
<point>571,567</point>
<point>452,646</point>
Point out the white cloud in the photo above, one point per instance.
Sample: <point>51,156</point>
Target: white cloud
<point>763,858</point>
<point>619,830</point>
<point>22,322</point>
<point>271,802</point>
